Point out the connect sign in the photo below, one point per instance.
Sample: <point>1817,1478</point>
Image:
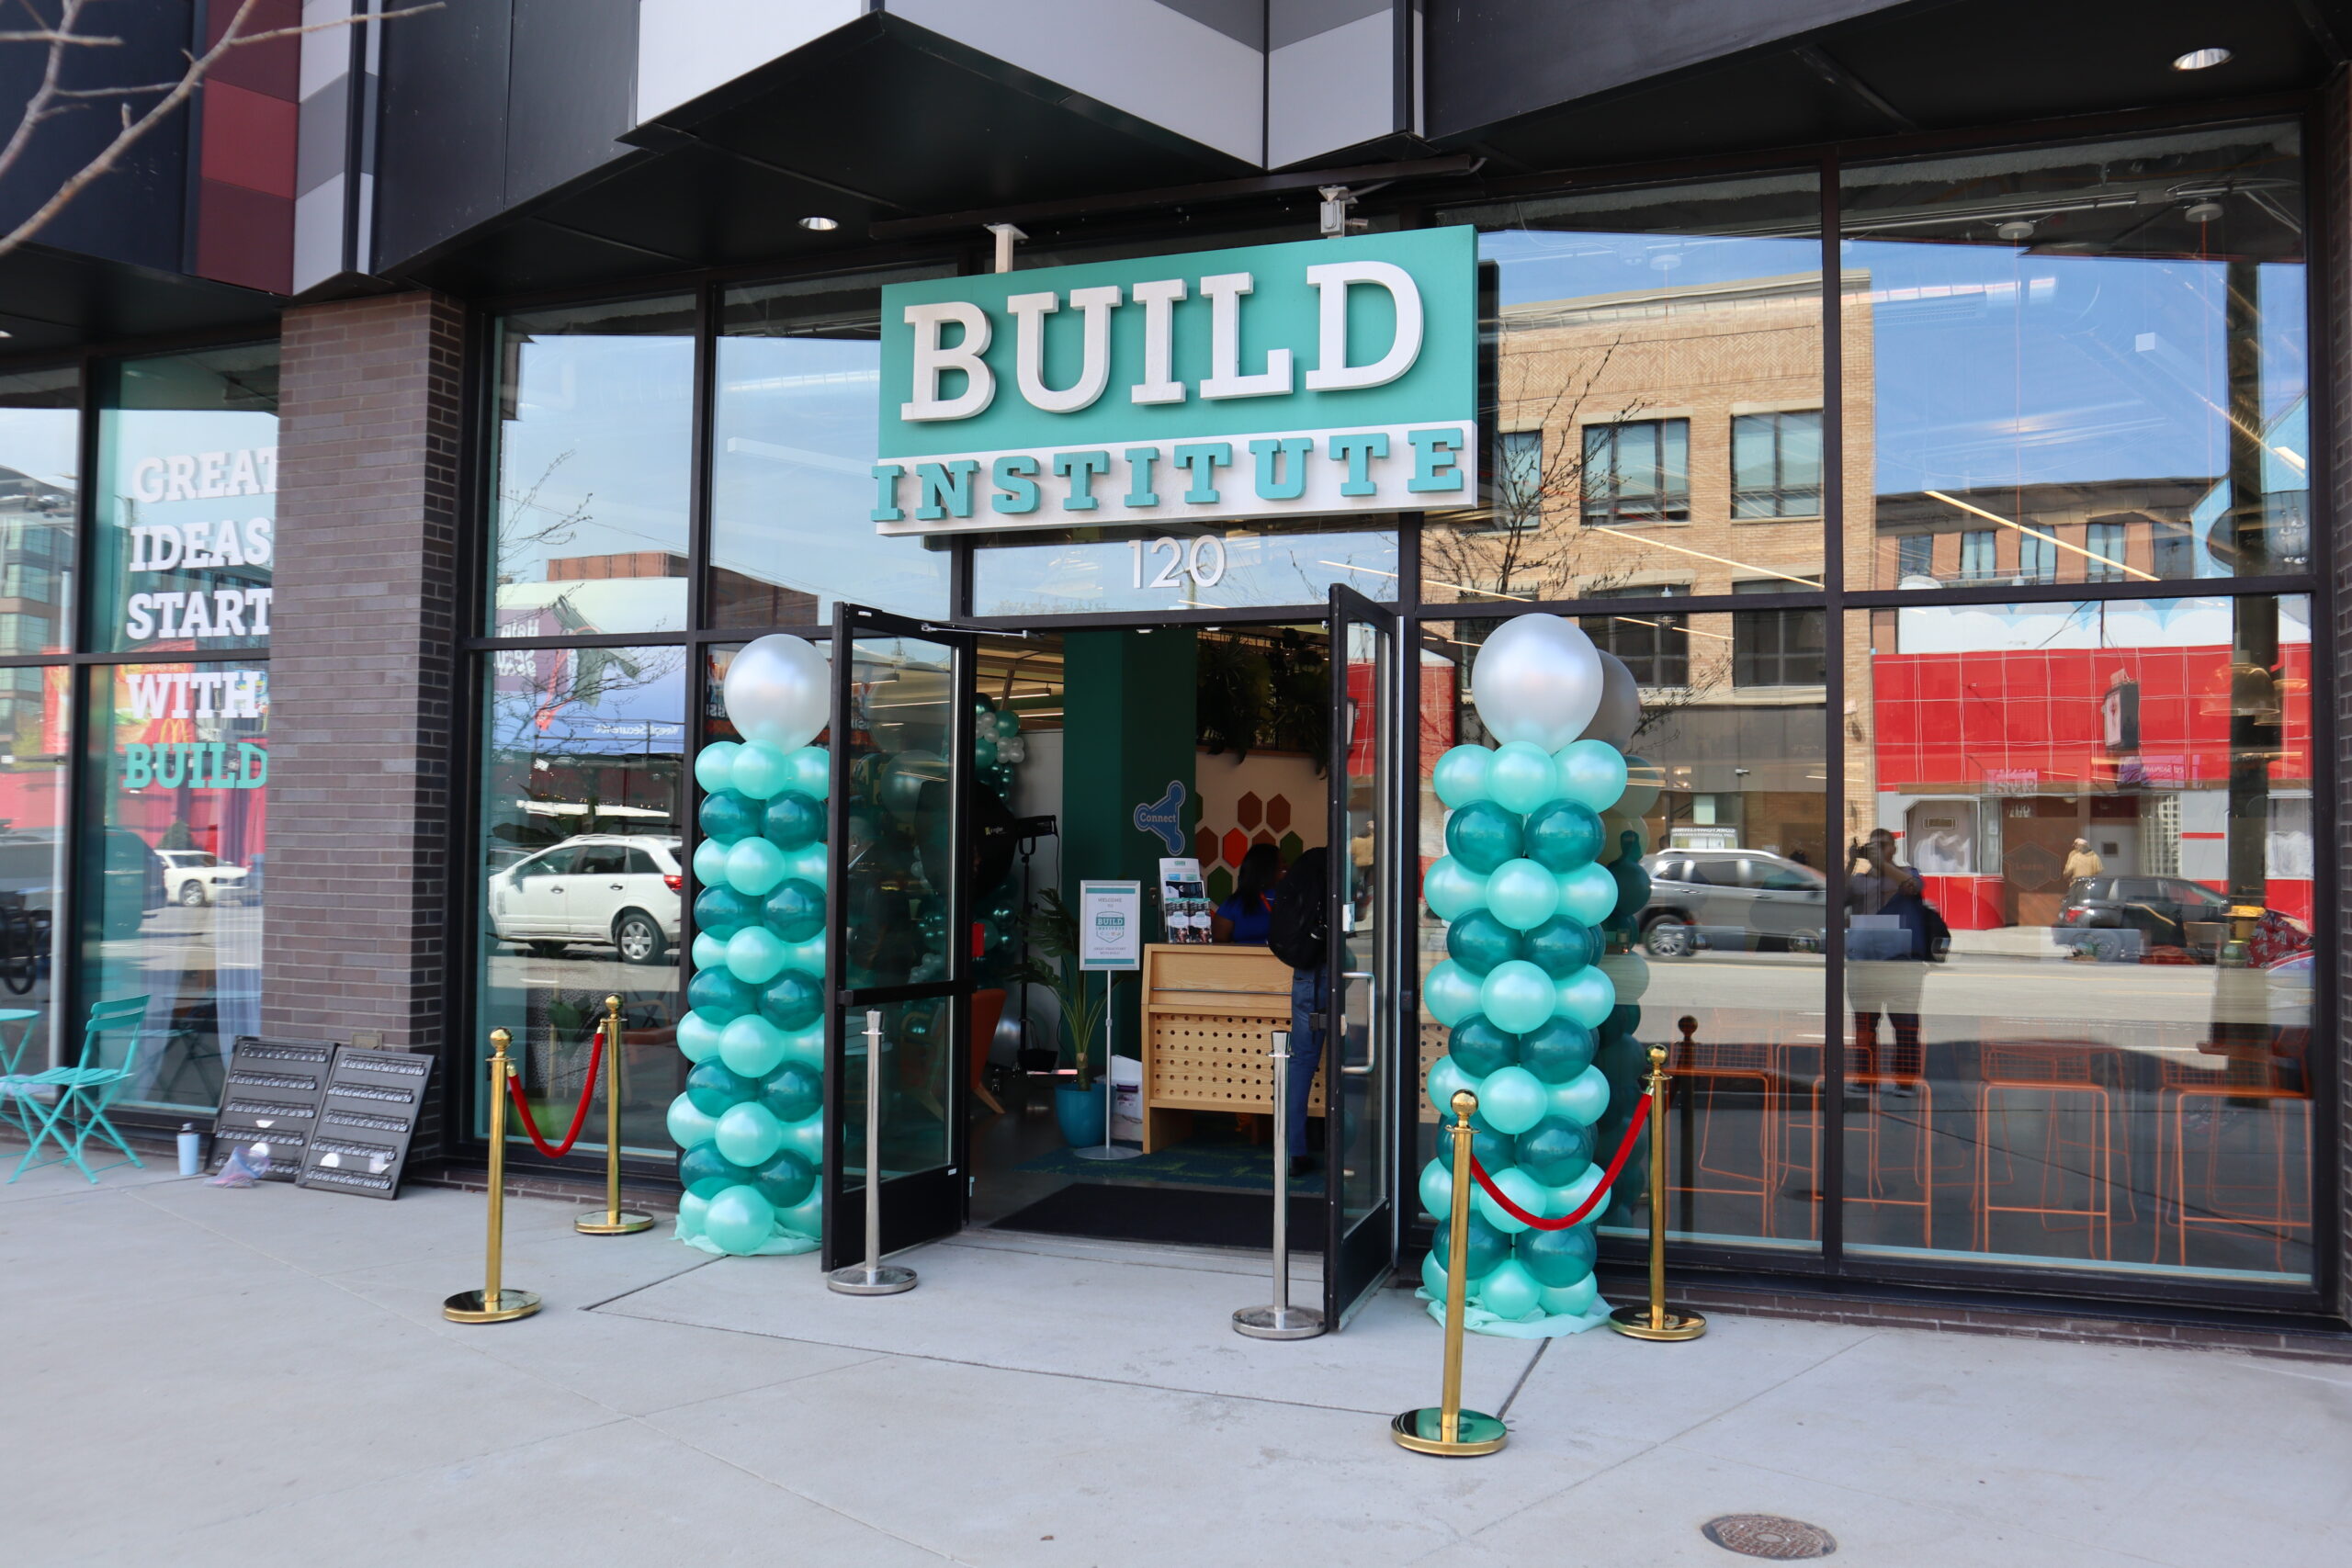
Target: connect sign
<point>1327,376</point>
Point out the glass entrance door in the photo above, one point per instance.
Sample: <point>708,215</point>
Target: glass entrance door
<point>897,928</point>
<point>1364,1058</point>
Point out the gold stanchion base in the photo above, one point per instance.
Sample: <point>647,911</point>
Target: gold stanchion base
<point>1474,1433</point>
<point>469,1306</point>
<point>1635,1323</point>
<point>604,1222</point>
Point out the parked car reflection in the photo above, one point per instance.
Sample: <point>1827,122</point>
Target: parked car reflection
<point>2136,919</point>
<point>1742,900</point>
<point>622,890</point>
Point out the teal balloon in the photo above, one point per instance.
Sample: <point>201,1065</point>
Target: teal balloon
<point>1445,1080</point>
<point>1522,894</point>
<point>792,820</point>
<point>1587,894</point>
<point>720,911</point>
<point>1521,1189</point>
<point>1511,1100</point>
<point>805,1046</point>
<point>806,1218</point>
<point>1571,1301</point>
<point>1592,772</point>
<point>708,951</point>
<point>1450,993</point>
<point>759,771</point>
<point>692,1211</point>
<point>1632,886</point>
<point>1587,997</point>
<point>1478,1048</point>
<point>754,867</point>
<point>1555,1151</point>
<point>806,1139</point>
<point>1007,724</point>
<point>1583,1099</point>
<point>719,996</point>
<point>748,1135</point>
<point>786,1180</point>
<point>983,750</point>
<point>1516,996</point>
<point>739,1221</point>
<point>687,1125</point>
<point>1482,836</point>
<point>1629,975</point>
<point>1557,1050</point>
<point>1453,890</point>
<point>715,1091</point>
<point>698,1036</point>
<point>1560,946</point>
<point>795,911</point>
<point>1460,776</point>
<point>1436,1188</point>
<point>794,1001</point>
<point>715,765</point>
<point>811,863</point>
<point>1486,1245</point>
<point>1556,1258</point>
<point>751,1046</point>
<point>809,772</point>
<point>1510,1291</point>
<point>729,816</point>
<point>1432,1275</point>
<point>1562,835</point>
<point>1488,1147</point>
<point>710,864</point>
<point>1522,777</point>
<point>809,957</point>
<point>1478,942</point>
<point>793,1094</point>
<point>756,955</point>
<point>706,1173</point>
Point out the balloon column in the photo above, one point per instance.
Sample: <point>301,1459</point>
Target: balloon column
<point>751,1123</point>
<point>1531,887</point>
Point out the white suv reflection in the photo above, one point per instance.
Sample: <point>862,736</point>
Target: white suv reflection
<point>621,889</point>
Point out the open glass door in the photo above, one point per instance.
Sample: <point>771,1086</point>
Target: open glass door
<point>896,928</point>
<point>1361,1053</point>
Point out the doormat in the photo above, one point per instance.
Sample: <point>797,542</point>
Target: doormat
<point>1236,1165</point>
<point>1170,1215</point>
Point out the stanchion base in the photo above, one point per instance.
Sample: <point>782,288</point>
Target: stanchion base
<point>1107,1151</point>
<point>604,1222</point>
<point>1278,1322</point>
<point>1635,1323</point>
<point>471,1306</point>
<point>881,1279</point>
<point>1474,1433</point>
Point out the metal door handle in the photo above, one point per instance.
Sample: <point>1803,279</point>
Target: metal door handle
<point>1372,1028</point>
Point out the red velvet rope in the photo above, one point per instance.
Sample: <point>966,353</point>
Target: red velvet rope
<point>579,1117</point>
<point>1633,1131</point>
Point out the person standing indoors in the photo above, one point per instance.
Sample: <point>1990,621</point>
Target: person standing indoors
<point>1243,918</point>
<point>1297,932</point>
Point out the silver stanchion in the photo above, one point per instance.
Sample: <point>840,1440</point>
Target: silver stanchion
<point>1280,1320</point>
<point>1110,1081</point>
<point>873,1277</point>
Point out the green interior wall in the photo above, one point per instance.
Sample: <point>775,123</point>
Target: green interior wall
<point>1129,725</point>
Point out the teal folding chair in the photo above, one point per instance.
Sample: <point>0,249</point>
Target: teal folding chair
<point>87,1087</point>
<point>18,1088</point>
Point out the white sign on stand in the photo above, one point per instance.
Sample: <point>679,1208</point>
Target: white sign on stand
<point>1109,925</point>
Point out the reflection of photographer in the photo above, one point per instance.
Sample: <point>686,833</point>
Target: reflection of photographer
<point>1892,934</point>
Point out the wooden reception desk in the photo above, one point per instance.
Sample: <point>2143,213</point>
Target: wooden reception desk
<point>1209,1015</point>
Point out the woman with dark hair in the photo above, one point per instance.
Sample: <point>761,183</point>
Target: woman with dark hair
<point>1242,918</point>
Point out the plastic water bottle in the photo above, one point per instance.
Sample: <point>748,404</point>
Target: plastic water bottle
<point>191,1150</point>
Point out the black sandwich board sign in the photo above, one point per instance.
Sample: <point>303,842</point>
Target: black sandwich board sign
<point>367,1117</point>
<point>270,1103</point>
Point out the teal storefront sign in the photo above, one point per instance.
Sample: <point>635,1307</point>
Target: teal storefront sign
<point>1330,376</point>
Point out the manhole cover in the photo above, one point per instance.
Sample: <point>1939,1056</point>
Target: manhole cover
<point>1768,1535</point>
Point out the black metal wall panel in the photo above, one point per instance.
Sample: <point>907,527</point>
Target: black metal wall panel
<point>574,89</point>
<point>441,165</point>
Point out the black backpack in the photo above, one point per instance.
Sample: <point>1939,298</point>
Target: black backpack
<point>1297,925</point>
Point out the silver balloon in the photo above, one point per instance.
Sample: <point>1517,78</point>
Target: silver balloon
<point>776,691</point>
<point>1537,679</point>
<point>1620,712</point>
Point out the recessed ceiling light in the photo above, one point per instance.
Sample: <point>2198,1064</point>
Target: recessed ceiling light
<point>2201,60</point>
<point>820,225</point>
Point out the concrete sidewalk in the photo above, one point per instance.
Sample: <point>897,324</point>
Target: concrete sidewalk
<point>197,1376</point>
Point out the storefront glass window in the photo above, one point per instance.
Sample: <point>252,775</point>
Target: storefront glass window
<point>2079,963</point>
<point>40,460</point>
<point>36,718</point>
<point>583,872</point>
<point>1067,571</point>
<point>595,449</point>
<point>2114,330</point>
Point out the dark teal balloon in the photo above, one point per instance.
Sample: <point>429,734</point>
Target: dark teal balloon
<point>1478,942</point>
<point>1491,1149</point>
<point>706,1173</point>
<point>1488,1245</point>
<point>786,1180</point>
<point>1557,1050</point>
<point>1559,947</point>
<point>714,1087</point>
<point>1482,836</point>
<point>796,910</point>
<point>723,912</point>
<point>793,1093</point>
<point>1557,1258</point>
<point>793,1001</point>
<point>793,821</point>
<point>1563,835</point>
<point>1555,1151</point>
<point>1622,1020</point>
<point>1479,1048</point>
<point>719,995</point>
<point>728,817</point>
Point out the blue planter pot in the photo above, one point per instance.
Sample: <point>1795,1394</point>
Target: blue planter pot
<point>1079,1112</point>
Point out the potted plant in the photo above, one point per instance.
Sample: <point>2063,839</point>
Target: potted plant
<point>1050,932</point>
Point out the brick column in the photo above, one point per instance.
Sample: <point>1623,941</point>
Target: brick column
<point>362,672</point>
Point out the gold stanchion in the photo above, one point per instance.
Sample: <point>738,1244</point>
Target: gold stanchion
<point>493,1303</point>
<point>1448,1428</point>
<point>1653,1321</point>
<point>612,1220</point>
